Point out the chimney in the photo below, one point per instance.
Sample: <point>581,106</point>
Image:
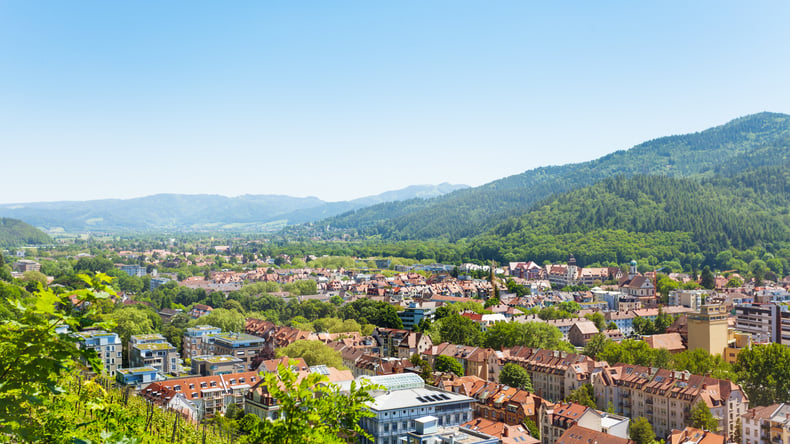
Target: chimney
<point>506,432</point>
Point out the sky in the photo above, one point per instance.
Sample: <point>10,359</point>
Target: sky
<point>344,99</point>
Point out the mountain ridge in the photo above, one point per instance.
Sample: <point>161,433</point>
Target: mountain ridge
<point>196,211</point>
<point>468,212</point>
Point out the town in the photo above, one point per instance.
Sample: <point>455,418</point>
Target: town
<point>518,352</point>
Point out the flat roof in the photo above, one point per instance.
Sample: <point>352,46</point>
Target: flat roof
<point>154,346</point>
<point>401,399</point>
<point>135,370</point>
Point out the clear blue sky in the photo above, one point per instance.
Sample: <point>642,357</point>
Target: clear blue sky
<point>342,99</point>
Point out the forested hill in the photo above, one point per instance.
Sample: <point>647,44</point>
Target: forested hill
<point>620,218</point>
<point>15,233</point>
<point>469,212</point>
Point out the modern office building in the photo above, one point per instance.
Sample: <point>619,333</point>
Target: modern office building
<point>405,399</point>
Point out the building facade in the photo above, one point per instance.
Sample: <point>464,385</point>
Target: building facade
<point>108,347</point>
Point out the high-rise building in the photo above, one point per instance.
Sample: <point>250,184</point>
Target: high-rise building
<point>707,329</point>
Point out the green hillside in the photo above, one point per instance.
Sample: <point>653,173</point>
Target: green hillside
<point>14,233</point>
<point>468,212</point>
<point>641,216</point>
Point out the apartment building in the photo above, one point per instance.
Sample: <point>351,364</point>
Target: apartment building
<point>554,373</point>
<point>555,419</point>
<point>239,345</point>
<point>108,348</point>
<point>153,350</point>
<point>197,340</point>
<point>666,397</point>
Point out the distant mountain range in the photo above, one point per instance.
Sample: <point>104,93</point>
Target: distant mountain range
<point>199,212</point>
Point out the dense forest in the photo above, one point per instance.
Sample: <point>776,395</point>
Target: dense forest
<point>15,233</point>
<point>751,141</point>
<point>649,215</point>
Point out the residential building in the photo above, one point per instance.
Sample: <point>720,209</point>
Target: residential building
<point>206,395</point>
<point>736,341</point>
<point>134,270</point>
<point>405,399</point>
<point>507,434</point>
<point>388,340</point>
<point>672,342</point>
<point>24,265</point>
<point>555,419</point>
<point>691,435</point>
<point>414,343</point>
<point>756,424</point>
<point>136,376</point>
<point>200,310</point>
<point>707,329</point>
<point>108,348</point>
<point>239,345</point>
<point>666,397</point>
<point>197,340</point>
<point>761,320</point>
<point>209,365</point>
<point>554,373</point>
<point>581,332</point>
<point>416,312</point>
<point>427,431</point>
<point>639,286</point>
<point>692,299</point>
<point>153,350</point>
<point>577,434</point>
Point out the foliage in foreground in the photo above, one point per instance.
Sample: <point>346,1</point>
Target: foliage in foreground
<point>312,410</point>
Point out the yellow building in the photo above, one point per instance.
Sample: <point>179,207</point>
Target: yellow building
<point>738,341</point>
<point>707,329</point>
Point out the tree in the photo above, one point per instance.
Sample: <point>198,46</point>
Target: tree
<point>529,334</point>
<point>707,280</point>
<point>534,430</point>
<point>227,320</point>
<point>612,326</point>
<point>702,418</point>
<point>764,373</point>
<point>598,320</point>
<point>444,363</point>
<point>596,345</point>
<point>130,321</point>
<point>34,357</point>
<point>426,373</point>
<point>313,353</point>
<point>312,410</point>
<point>640,431</point>
<point>515,375</point>
<point>458,329</point>
<point>584,395</point>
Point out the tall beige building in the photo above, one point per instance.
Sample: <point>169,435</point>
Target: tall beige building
<point>707,329</point>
